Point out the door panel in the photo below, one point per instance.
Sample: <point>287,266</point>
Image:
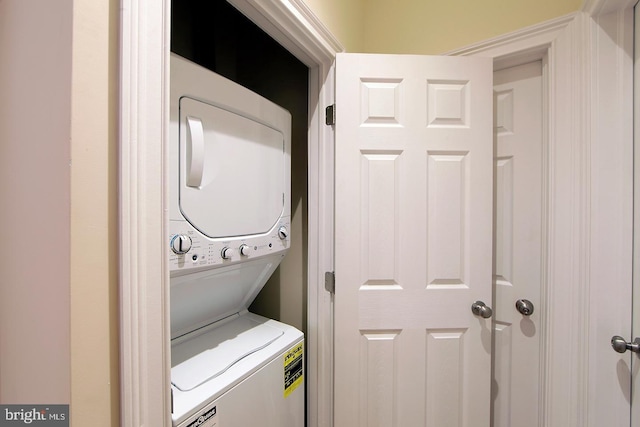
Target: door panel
<point>518,244</point>
<point>413,230</point>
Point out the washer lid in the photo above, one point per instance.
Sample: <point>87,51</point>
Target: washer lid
<point>210,354</point>
<point>232,171</point>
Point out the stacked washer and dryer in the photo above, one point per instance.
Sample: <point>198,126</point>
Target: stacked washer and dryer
<point>229,230</point>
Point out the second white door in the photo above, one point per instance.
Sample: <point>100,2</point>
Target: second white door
<point>518,244</point>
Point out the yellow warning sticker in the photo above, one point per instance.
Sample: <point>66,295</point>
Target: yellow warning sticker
<point>293,369</point>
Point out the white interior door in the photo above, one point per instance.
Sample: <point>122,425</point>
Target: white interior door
<point>413,251</point>
<point>518,244</point>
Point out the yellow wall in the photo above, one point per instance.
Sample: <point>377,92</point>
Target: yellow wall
<point>430,26</point>
<point>95,388</point>
<point>344,18</point>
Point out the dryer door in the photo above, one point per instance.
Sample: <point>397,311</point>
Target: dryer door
<point>232,171</point>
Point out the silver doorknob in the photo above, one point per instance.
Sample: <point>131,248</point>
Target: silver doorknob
<point>524,307</point>
<point>620,345</point>
<point>481,309</point>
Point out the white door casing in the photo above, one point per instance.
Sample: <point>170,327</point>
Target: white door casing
<point>610,220</point>
<point>414,160</point>
<point>519,243</point>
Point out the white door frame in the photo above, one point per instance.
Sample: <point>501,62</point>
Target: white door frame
<point>587,79</point>
<point>144,289</point>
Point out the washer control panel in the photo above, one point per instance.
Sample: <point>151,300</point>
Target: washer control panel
<point>190,250</point>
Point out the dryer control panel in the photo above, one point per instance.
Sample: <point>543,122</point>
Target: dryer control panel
<point>190,251</point>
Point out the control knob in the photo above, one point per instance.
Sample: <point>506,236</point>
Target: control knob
<point>244,250</point>
<point>226,253</point>
<point>180,244</point>
<point>283,233</point>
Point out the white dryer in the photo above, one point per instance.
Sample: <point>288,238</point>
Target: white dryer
<point>229,229</point>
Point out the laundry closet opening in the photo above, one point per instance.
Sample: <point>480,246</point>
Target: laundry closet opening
<point>216,36</point>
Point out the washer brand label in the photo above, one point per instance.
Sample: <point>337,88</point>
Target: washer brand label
<point>208,419</point>
<point>37,415</point>
<point>293,369</point>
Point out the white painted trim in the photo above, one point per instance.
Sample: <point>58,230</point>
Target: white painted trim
<point>597,8</point>
<point>319,337</point>
<point>144,281</point>
<point>611,207</point>
<point>292,24</point>
<point>533,38</point>
<point>584,68</point>
<point>144,277</point>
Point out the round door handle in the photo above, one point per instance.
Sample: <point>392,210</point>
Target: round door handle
<point>524,307</point>
<point>620,345</point>
<point>481,309</point>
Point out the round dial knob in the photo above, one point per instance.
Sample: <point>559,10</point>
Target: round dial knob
<point>283,233</point>
<point>180,244</point>
<point>226,252</point>
<point>244,250</point>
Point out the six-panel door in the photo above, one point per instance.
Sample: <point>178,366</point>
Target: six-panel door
<point>413,252</point>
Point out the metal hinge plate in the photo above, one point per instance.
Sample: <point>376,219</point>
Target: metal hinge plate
<point>330,282</point>
<point>330,115</point>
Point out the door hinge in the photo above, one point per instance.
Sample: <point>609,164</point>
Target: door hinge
<point>330,282</point>
<point>330,115</point>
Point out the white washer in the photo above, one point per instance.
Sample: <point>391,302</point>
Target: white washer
<point>229,230</point>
